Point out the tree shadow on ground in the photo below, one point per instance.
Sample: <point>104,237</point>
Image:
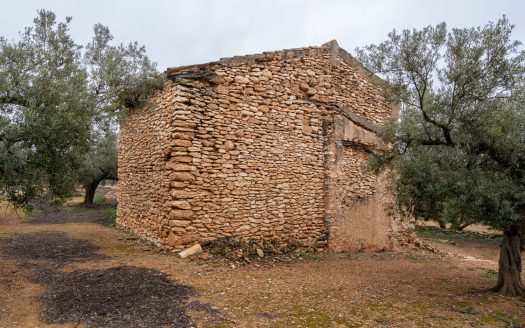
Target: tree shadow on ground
<point>54,247</point>
<point>104,214</point>
<point>124,296</point>
<point>459,237</point>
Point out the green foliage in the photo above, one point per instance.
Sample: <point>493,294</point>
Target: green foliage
<point>59,103</point>
<point>99,200</point>
<point>458,146</point>
<point>120,76</point>
<point>110,212</point>
<point>100,162</point>
<point>309,257</point>
<point>44,117</point>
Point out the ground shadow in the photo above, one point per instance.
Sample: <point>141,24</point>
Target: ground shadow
<point>54,247</point>
<point>124,296</point>
<point>104,214</point>
<point>458,237</point>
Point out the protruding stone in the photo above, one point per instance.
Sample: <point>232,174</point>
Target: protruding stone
<point>182,143</point>
<point>183,135</point>
<point>182,176</point>
<point>304,87</point>
<point>178,184</point>
<point>179,167</point>
<point>181,204</point>
<point>181,194</point>
<point>239,133</point>
<point>311,92</point>
<point>229,145</point>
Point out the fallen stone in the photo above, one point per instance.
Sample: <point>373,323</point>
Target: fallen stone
<point>195,249</point>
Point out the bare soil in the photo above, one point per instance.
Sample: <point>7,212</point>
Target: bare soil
<point>76,273</point>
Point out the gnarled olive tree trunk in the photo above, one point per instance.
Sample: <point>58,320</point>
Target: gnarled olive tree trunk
<point>90,188</point>
<point>510,264</point>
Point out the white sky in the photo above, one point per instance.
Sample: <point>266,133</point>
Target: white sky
<point>196,31</point>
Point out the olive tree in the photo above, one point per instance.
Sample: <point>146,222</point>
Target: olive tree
<point>119,77</point>
<point>458,145</point>
<point>100,163</point>
<point>45,112</point>
<point>57,99</point>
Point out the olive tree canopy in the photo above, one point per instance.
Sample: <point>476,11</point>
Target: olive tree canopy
<point>56,99</point>
<point>458,145</point>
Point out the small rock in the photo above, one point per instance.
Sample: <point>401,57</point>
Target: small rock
<point>260,252</point>
<point>195,249</point>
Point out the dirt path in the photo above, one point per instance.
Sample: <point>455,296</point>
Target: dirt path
<point>84,274</point>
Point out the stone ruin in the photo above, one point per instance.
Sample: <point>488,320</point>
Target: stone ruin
<point>268,146</point>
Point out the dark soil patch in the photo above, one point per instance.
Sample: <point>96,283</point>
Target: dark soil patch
<point>459,237</point>
<point>8,282</point>
<point>100,214</point>
<point>124,296</point>
<point>54,247</point>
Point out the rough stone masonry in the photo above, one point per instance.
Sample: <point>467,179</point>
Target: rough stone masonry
<point>268,146</point>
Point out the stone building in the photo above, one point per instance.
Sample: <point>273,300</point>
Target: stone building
<point>267,146</point>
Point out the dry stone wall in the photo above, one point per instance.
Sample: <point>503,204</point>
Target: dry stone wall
<point>357,200</point>
<point>241,148</point>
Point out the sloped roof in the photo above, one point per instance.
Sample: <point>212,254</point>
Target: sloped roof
<point>332,47</point>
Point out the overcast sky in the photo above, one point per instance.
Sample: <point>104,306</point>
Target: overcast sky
<point>196,31</point>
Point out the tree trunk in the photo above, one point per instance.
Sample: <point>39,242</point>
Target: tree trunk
<point>90,192</point>
<point>463,226</point>
<point>459,226</point>
<point>509,276</point>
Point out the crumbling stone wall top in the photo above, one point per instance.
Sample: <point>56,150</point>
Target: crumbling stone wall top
<point>331,47</point>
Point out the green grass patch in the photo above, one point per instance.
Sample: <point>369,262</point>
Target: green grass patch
<point>422,307</point>
<point>110,212</point>
<point>309,257</point>
<point>496,317</point>
<point>454,236</point>
<point>491,273</point>
<point>99,199</point>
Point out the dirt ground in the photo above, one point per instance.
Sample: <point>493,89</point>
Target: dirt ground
<point>71,268</point>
